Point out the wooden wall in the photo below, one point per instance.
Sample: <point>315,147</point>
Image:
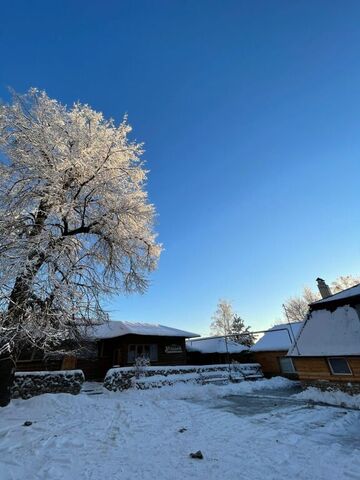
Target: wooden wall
<point>38,365</point>
<point>116,349</point>
<point>317,368</point>
<point>111,352</point>
<point>269,362</point>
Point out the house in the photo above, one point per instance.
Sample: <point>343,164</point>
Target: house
<point>214,350</point>
<point>120,343</point>
<point>114,343</point>
<point>327,348</point>
<point>271,350</point>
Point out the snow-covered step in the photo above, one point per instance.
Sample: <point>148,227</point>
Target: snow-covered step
<point>92,388</point>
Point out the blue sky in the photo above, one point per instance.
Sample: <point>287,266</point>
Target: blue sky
<point>250,113</point>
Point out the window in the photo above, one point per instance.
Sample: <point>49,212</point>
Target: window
<point>339,366</point>
<point>287,365</point>
<point>149,351</point>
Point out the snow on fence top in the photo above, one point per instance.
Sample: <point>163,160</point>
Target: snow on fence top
<point>124,377</point>
<point>278,338</point>
<point>328,333</point>
<point>46,373</point>
<point>347,293</point>
<point>114,329</point>
<point>214,345</point>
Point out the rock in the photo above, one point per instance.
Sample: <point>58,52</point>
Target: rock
<point>197,454</point>
<point>29,384</point>
<point>182,430</point>
<point>27,423</point>
<point>122,378</point>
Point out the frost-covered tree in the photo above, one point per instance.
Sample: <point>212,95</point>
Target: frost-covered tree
<point>75,221</point>
<point>227,322</point>
<point>343,282</point>
<point>222,319</point>
<point>297,307</point>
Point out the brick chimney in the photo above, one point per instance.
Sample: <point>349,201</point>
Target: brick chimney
<point>323,287</point>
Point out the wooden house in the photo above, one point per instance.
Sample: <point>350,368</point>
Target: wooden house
<point>327,348</point>
<point>271,349</point>
<point>114,344</point>
<point>120,343</point>
<point>214,350</point>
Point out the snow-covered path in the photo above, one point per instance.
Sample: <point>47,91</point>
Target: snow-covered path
<point>136,435</point>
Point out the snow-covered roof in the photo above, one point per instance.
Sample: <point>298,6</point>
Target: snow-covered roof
<point>280,337</point>
<point>214,345</point>
<point>329,333</point>
<point>114,329</point>
<point>347,293</point>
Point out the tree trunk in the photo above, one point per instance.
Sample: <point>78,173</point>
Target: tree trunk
<point>21,290</point>
<point>7,377</point>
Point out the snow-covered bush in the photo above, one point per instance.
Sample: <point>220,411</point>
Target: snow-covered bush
<point>140,365</point>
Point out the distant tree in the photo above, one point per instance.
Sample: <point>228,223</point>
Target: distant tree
<point>343,282</point>
<point>222,319</point>
<point>242,333</point>
<point>297,307</point>
<point>75,221</point>
<point>227,322</point>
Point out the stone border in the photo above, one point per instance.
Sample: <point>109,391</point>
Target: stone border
<point>326,386</point>
<point>118,379</point>
<point>30,384</point>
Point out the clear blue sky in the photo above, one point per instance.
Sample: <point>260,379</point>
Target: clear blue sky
<point>250,111</point>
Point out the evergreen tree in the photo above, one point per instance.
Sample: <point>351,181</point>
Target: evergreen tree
<point>241,333</point>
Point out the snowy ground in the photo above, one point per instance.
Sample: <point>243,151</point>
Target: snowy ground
<point>149,434</point>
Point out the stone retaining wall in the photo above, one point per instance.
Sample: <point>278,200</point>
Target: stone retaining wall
<point>155,377</point>
<point>350,388</point>
<point>29,384</point>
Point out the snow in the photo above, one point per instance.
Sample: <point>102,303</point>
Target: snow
<point>76,222</point>
<point>114,329</point>
<point>124,377</point>
<point>149,434</point>
<point>184,368</point>
<point>334,397</point>
<point>277,338</point>
<point>347,293</point>
<point>49,373</point>
<point>328,333</point>
<point>214,345</point>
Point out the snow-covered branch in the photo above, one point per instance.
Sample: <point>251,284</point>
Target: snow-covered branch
<point>75,221</point>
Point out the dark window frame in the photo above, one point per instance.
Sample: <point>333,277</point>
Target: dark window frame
<point>292,364</point>
<point>152,347</point>
<point>350,373</point>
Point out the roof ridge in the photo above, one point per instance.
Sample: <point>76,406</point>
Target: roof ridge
<point>334,294</point>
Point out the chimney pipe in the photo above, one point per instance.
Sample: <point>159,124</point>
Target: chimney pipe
<point>323,287</point>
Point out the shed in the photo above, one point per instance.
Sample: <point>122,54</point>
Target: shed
<point>271,349</point>
<point>214,350</point>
